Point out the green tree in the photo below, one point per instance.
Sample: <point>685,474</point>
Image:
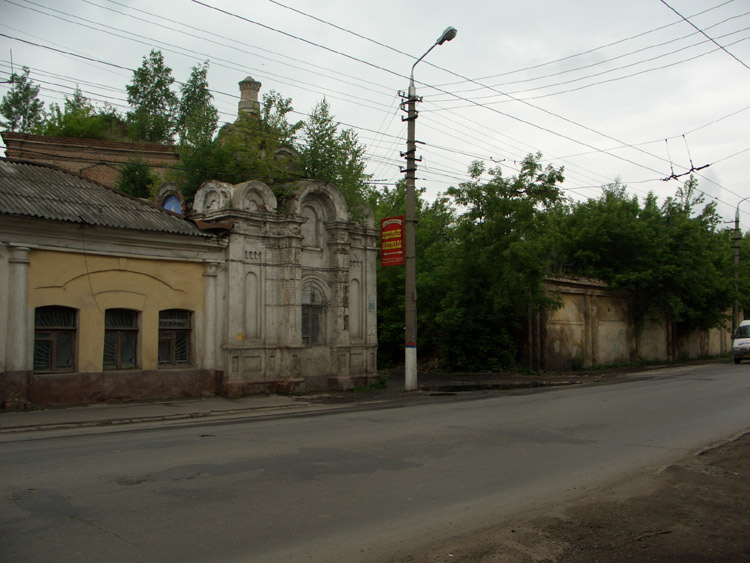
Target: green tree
<point>334,156</point>
<point>434,239</point>
<point>197,118</point>
<point>136,178</point>
<point>495,271</point>
<point>387,202</point>
<point>274,114</point>
<point>197,121</point>
<point>611,238</point>
<point>252,147</point>
<point>672,259</point>
<point>744,273</point>
<point>79,118</point>
<point>154,103</point>
<point>696,288</point>
<point>248,151</point>
<point>21,107</point>
<point>249,148</point>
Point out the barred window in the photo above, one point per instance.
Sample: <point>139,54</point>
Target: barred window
<point>120,339</point>
<point>55,334</point>
<point>175,329</point>
<point>313,317</point>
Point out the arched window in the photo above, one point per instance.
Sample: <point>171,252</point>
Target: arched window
<point>120,339</point>
<point>313,317</point>
<point>172,203</point>
<point>175,328</point>
<point>55,334</point>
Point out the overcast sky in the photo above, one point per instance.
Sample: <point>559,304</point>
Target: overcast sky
<point>606,88</point>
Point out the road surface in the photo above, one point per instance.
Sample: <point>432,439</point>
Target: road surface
<point>366,485</point>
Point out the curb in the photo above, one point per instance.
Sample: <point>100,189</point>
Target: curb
<point>112,422</point>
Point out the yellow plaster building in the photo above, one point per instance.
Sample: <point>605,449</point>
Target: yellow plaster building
<point>106,297</point>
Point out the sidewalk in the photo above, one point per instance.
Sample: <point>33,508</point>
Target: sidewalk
<point>117,414</point>
<point>112,414</point>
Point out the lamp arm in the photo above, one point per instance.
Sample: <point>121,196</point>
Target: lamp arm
<point>412,88</point>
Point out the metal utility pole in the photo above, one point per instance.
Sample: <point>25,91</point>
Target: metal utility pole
<point>410,293</point>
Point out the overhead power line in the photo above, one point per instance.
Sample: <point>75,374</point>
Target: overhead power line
<point>610,70</point>
<point>473,102</point>
<point>704,34</point>
<point>70,53</point>
<point>561,135</point>
<point>599,48</point>
<point>536,66</point>
<point>397,74</point>
<point>345,30</point>
<point>298,38</point>
<point>153,16</point>
<point>618,57</point>
<point>568,57</point>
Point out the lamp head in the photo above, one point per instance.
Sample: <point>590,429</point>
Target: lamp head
<point>448,34</point>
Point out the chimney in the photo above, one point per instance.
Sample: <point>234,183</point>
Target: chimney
<point>249,103</point>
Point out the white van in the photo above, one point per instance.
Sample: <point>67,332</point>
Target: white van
<point>741,342</point>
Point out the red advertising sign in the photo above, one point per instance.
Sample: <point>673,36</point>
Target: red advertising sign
<point>392,241</point>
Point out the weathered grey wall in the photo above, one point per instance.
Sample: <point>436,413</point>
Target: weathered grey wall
<point>595,326</point>
<point>273,256</point>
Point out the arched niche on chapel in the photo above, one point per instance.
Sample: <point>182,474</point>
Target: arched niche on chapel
<point>318,205</point>
<point>253,197</point>
<point>212,196</point>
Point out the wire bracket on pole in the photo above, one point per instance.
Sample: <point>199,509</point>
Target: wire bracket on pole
<point>410,154</point>
<point>403,106</point>
<point>404,96</point>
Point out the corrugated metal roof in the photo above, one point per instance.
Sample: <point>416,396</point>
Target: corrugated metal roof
<point>35,190</point>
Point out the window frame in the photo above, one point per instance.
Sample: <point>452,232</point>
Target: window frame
<point>313,312</point>
<point>172,334</point>
<point>54,332</point>
<point>120,332</point>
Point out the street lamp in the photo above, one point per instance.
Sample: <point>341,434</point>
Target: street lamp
<point>736,308</point>
<point>410,293</point>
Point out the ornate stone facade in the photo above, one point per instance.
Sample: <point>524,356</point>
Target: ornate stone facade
<point>299,280</point>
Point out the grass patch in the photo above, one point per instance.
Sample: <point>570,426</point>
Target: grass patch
<point>381,383</point>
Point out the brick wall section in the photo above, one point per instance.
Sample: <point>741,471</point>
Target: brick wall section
<point>95,159</point>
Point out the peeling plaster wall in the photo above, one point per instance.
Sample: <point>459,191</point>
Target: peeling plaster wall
<point>53,264</point>
<point>595,326</point>
<point>273,255</point>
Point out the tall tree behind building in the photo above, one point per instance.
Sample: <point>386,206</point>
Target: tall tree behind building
<point>334,156</point>
<point>21,107</point>
<point>154,103</point>
<point>197,118</point>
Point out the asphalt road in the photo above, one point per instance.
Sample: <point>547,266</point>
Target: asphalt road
<point>368,485</point>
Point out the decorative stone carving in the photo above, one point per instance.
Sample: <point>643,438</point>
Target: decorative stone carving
<point>212,197</point>
<point>253,197</point>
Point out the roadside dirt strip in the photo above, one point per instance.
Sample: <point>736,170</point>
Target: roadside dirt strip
<point>695,511</point>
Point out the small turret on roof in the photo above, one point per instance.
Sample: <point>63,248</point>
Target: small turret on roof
<point>249,103</point>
